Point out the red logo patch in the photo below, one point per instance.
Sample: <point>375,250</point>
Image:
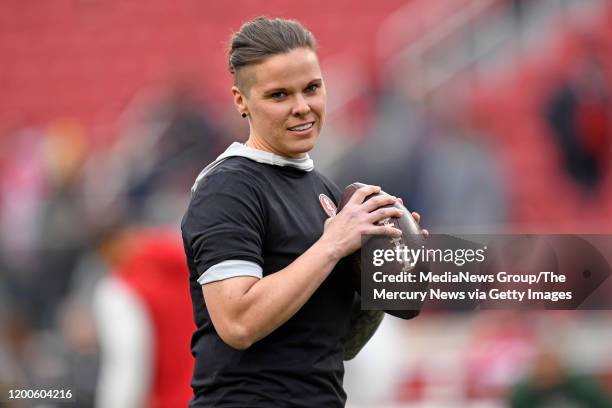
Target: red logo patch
<point>328,205</point>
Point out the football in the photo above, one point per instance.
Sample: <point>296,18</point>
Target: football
<point>411,237</point>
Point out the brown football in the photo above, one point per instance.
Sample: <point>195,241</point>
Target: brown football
<point>411,238</point>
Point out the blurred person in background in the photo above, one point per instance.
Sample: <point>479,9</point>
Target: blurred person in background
<point>389,154</point>
<point>143,322</point>
<point>552,385</point>
<point>440,160</point>
<point>164,134</point>
<point>578,114</point>
<point>42,238</point>
<point>275,311</point>
<point>458,177</point>
<point>173,136</point>
<point>61,238</point>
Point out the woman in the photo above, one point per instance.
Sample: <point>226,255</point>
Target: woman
<point>272,299</point>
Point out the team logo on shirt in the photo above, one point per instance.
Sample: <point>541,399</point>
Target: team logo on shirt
<point>328,205</point>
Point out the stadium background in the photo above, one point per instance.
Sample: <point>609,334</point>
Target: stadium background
<point>484,115</point>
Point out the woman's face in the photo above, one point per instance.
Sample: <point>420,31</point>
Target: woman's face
<point>284,96</point>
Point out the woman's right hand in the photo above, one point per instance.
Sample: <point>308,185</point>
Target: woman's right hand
<point>358,217</point>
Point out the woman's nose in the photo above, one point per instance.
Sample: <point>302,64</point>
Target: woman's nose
<point>301,106</point>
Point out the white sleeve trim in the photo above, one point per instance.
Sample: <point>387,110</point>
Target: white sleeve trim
<point>230,269</point>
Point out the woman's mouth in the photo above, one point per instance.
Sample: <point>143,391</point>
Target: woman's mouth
<point>302,127</point>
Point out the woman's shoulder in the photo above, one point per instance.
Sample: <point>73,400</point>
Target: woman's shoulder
<point>234,174</point>
<point>236,166</point>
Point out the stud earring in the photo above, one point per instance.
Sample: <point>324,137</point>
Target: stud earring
<point>244,115</point>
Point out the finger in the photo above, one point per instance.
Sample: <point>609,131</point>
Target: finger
<point>378,201</point>
<point>416,216</point>
<point>363,192</point>
<point>400,200</point>
<point>385,212</point>
<point>425,233</point>
<point>387,230</point>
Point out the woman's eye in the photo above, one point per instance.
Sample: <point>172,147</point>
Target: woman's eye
<point>312,88</point>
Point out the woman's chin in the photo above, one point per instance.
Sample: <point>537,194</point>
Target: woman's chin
<point>300,148</point>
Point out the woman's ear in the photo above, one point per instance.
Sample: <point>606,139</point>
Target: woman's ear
<point>239,101</point>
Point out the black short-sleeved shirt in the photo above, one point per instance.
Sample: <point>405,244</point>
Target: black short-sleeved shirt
<point>268,215</point>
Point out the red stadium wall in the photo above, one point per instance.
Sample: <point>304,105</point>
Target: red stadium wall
<point>86,59</point>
